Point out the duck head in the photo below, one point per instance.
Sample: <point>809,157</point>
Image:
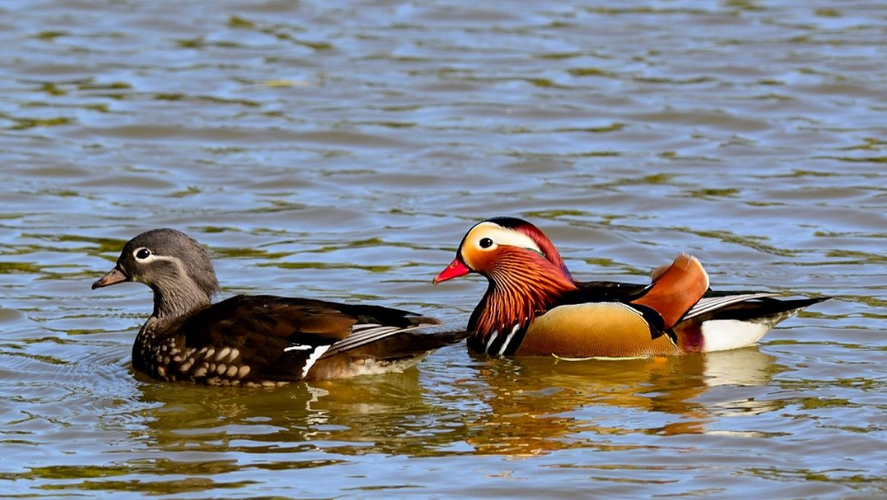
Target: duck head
<point>490,248</point>
<point>172,264</point>
<point>526,273</point>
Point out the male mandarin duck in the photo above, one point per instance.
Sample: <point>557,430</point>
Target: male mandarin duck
<point>260,339</point>
<point>533,306</point>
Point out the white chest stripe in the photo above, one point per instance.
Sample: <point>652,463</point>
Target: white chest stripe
<point>508,339</point>
<point>490,342</point>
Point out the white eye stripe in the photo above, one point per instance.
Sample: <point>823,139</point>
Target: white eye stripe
<point>151,256</point>
<point>501,236</point>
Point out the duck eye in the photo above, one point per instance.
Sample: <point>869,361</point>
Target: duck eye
<point>143,253</point>
<point>485,243</point>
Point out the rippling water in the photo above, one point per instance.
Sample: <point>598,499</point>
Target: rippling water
<point>341,149</point>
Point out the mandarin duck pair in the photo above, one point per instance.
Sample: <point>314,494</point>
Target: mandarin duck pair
<point>532,307</point>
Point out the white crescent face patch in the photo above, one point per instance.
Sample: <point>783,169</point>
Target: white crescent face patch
<point>488,236</point>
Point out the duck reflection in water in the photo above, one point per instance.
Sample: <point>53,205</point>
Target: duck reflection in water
<point>537,405</point>
<point>517,407</point>
<point>372,414</point>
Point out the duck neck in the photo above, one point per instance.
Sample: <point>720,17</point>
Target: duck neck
<point>178,299</point>
<point>520,289</point>
<point>172,302</point>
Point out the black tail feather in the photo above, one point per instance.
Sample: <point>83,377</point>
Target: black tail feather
<point>410,344</point>
<point>763,309</point>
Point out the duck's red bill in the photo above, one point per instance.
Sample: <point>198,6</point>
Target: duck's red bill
<point>113,277</point>
<point>454,270</point>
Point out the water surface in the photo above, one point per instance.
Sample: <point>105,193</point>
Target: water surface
<point>340,150</point>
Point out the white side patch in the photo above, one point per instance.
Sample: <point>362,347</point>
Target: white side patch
<point>299,347</point>
<point>724,334</point>
<point>318,352</point>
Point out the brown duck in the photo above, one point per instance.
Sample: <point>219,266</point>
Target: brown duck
<point>260,339</point>
<point>533,306</point>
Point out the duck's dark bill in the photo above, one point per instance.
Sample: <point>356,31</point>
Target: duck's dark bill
<point>113,277</point>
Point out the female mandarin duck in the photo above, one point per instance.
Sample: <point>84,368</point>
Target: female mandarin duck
<point>256,340</point>
<point>533,306</point>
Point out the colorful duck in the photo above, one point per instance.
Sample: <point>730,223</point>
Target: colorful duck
<point>533,306</point>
